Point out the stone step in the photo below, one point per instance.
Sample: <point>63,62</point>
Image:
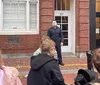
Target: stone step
<point>69,71</point>
<point>28,55</point>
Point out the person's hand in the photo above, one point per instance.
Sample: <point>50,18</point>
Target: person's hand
<point>61,44</point>
<point>66,83</point>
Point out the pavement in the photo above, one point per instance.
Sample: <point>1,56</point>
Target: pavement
<point>69,70</point>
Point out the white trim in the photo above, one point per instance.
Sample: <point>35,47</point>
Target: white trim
<point>18,32</point>
<point>74,27</point>
<point>66,13</point>
<point>71,24</point>
<point>38,16</point>
<point>1,15</point>
<point>22,31</point>
<point>27,14</point>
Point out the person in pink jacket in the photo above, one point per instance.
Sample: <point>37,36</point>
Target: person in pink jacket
<point>8,75</point>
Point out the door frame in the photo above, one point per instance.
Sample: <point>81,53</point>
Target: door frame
<point>66,13</point>
<point>71,14</point>
<point>71,43</point>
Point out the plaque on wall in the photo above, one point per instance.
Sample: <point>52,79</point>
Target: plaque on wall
<point>13,39</point>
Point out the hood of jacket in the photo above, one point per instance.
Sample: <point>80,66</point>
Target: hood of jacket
<point>40,61</point>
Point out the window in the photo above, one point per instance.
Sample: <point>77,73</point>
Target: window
<point>20,16</point>
<point>62,4</point>
<point>33,13</point>
<point>62,7</point>
<point>97,5</point>
<point>62,22</point>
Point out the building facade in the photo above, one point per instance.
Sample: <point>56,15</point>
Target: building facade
<point>23,22</point>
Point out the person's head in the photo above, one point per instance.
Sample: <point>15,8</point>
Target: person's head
<point>48,47</point>
<point>1,60</point>
<point>44,37</point>
<point>54,23</point>
<point>96,59</point>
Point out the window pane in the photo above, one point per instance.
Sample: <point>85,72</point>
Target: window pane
<point>64,19</point>
<point>62,22</point>
<point>14,15</point>
<point>98,23</point>
<point>33,15</point>
<point>62,4</point>
<point>65,34</point>
<point>65,27</point>
<point>57,5</point>
<point>58,19</point>
<point>66,42</point>
<point>98,6</point>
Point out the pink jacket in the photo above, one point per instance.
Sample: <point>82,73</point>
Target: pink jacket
<point>11,76</point>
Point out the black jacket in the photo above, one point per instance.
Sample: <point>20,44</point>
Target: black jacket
<point>45,71</point>
<point>55,34</point>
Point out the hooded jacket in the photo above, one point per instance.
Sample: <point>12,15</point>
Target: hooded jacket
<point>45,71</point>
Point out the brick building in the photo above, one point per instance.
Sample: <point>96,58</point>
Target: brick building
<point>22,22</point>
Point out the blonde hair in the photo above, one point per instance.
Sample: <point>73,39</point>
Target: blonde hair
<point>1,60</point>
<point>47,45</point>
<point>44,37</point>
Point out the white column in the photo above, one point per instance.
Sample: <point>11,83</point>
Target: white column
<point>38,16</point>
<point>1,15</point>
<point>27,15</point>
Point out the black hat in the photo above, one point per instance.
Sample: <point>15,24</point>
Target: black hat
<point>89,75</point>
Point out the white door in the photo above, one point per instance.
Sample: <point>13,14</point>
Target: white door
<point>65,16</point>
<point>63,21</point>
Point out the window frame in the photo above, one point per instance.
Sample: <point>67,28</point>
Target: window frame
<point>17,31</point>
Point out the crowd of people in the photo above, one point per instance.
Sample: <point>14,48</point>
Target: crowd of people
<point>44,67</point>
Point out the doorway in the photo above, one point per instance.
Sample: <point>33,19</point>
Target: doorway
<point>65,17</point>
<point>63,21</point>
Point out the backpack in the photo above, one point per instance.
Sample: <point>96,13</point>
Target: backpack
<point>85,76</point>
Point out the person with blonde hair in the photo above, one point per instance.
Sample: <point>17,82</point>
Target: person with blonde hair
<point>8,75</point>
<point>38,51</point>
<point>44,68</point>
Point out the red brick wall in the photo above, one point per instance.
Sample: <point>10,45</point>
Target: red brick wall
<point>27,44</point>
<point>47,14</point>
<point>82,25</point>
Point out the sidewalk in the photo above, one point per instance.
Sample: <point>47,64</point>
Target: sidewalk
<point>71,67</point>
<point>69,70</point>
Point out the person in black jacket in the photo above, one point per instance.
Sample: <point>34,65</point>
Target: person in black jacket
<point>55,33</point>
<point>44,68</point>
